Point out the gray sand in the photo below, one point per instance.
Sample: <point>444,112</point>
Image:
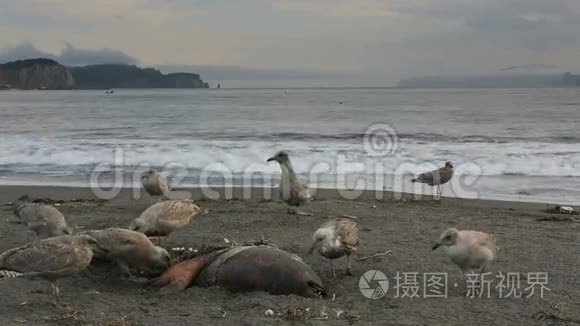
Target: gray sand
<point>407,228</point>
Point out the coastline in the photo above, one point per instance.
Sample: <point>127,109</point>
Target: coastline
<point>221,193</point>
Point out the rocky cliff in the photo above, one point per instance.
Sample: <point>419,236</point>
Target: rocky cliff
<point>35,74</point>
<point>106,76</point>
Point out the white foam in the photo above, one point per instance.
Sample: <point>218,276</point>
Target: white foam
<point>535,159</point>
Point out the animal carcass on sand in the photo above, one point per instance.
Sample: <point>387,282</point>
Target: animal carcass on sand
<point>246,269</point>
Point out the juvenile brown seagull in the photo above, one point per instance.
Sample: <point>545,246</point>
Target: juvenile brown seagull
<point>163,218</point>
<point>468,249</point>
<point>336,238</point>
<point>292,191</point>
<point>155,184</point>
<point>49,259</point>
<point>44,220</point>
<point>130,249</point>
<point>436,177</point>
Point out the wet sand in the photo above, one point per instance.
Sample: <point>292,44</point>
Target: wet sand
<point>406,227</point>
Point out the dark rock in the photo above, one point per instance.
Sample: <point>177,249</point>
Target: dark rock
<point>36,74</point>
<point>106,76</point>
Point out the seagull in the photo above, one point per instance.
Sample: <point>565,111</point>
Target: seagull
<point>130,249</point>
<point>436,177</point>
<point>163,218</point>
<point>292,191</point>
<point>336,238</point>
<point>155,184</point>
<point>50,259</point>
<point>44,220</point>
<point>468,249</point>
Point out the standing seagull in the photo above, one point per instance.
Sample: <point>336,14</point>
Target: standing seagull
<point>161,219</point>
<point>49,259</point>
<point>436,177</point>
<point>468,249</point>
<point>130,249</point>
<point>336,238</point>
<point>44,220</point>
<point>155,184</point>
<point>292,191</point>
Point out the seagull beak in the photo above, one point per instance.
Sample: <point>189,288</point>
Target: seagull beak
<point>270,159</point>
<point>312,247</point>
<point>435,246</point>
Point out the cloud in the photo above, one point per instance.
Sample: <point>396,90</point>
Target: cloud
<point>70,55</point>
<point>535,25</point>
<point>529,67</point>
<point>337,8</point>
<point>143,11</point>
<point>385,38</point>
<point>23,51</point>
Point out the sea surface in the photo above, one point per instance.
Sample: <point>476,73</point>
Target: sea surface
<point>512,144</point>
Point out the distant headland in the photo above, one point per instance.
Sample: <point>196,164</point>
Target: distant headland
<point>493,81</point>
<point>48,74</point>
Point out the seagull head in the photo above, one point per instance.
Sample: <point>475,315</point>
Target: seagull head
<point>280,157</point>
<point>447,238</point>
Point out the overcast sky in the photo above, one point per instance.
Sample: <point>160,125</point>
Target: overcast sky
<point>377,41</point>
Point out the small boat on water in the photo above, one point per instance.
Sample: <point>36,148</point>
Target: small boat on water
<point>109,91</point>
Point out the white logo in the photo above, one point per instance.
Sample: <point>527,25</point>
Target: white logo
<point>375,292</point>
<point>380,140</point>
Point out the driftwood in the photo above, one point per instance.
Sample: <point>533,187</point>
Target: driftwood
<point>374,256</point>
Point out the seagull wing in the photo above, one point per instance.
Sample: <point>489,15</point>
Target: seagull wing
<point>347,232</point>
<point>44,257</point>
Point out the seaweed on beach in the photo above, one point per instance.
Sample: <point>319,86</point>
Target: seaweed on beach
<point>560,211</point>
<point>74,200</point>
<point>552,218</point>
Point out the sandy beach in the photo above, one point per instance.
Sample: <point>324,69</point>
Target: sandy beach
<point>407,227</point>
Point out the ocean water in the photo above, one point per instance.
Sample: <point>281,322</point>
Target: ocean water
<point>512,144</point>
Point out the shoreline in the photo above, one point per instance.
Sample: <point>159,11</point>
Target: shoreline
<point>9,193</point>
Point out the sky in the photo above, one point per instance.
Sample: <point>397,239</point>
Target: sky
<point>302,42</point>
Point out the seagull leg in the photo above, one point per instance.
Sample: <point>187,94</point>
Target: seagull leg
<point>125,270</point>
<point>89,273</point>
<point>348,271</point>
<point>464,281</point>
<point>127,275</point>
<point>332,267</point>
<point>159,240</point>
<point>55,294</point>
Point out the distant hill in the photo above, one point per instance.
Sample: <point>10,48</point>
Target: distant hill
<point>106,76</point>
<point>493,81</point>
<point>35,74</point>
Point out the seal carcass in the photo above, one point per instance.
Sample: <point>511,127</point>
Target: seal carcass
<point>246,269</point>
